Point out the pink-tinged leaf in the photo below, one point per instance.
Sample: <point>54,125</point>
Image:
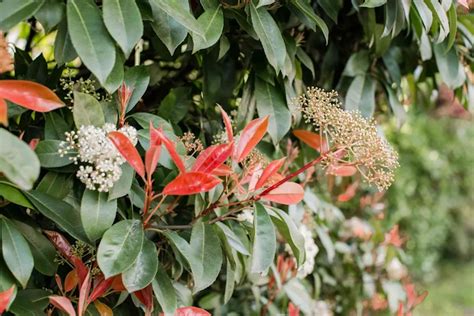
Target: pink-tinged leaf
<point>228,125</point>
<point>62,303</point>
<point>71,281</point>
<point>152,156</point>
<point>191,183</point>
<point>124,94</point>
<point>30,95</point>
<point>287,193</point>
<point>311,139</point>
<point>349,193</point>
<point>222,171</point>
<point>84,294</point>
<point>191,311</point>
<point>250,137</point>
<point>6,298</point>
<point>128,151</point>
<point>170,146</point>
<point>341,170</point>
<point>269,171</point>
<point>212,157</point>
<point>3,112</point>
<point>33,143</point>
<point>464,3</point>
<point>103,286</point>
<point>293,310</point>
<point>145,296</point>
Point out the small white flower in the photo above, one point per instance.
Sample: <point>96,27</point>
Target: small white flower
<point>396,270</point>
<point>100,160</point>
<point>311,250</point>
<point>322,308</point>
<point>245,215</point>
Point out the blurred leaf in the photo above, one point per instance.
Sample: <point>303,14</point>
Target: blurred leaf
<point>288,193</point>
<point>331,7</point>
<point>87,110</point>
<point>373,3</point>
<point>361,96</point>
<point>97,213</point>
<point>308,12</point>
<point>90,37</point>
<point>264,241</point>
<point>30,302</point>
<point>358,64</point>
<point>164,291</point>
<point>120,247</point>
<point>176,104</point>
<point>124,23</point>
<point>424,12</point>
<point>449,66</point>
<point>229,282</point>
<point>17,161</point>
<point>143,270</point>
<point>11,13</point>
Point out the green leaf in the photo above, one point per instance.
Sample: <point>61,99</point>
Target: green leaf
<point>48,154</point>
<point>115,79</point>
<point>143,270</point>
<point>396,106</point>
<point>6,277</point>
<point>453,27</point>
<point>331,7</point>
<point>43,251</point>
<point>424,12</point>
<point>123,184</point>
<point>97,213</point>
<point>50,14</point>
<point>270,36</point>
<point>18,162</point>
<point>90,37</point>
<point>55,126</point>
<point>233,240</point>
<point>358,64</point>
<point>144,119</point>
<point>305,8</point>
<point>119,247</point>
<point>63,49</point>
<point>373,3</point>
<point>168,30</point>
<point>16,252</point>
<point>212,24</point>
<point>271,102</point>
<point>56,184</point>
<point>30,302</point>
<point>124,22</point>
<point>229,282</point>
<point>9,192</point>
<point>264,241</point>
<point>13,12</point>
<point>87,110</point>
<point>60,212</point>
<point>184,17</point>
<point>137,79</point>
<point>164,291</point>
<point>176,104</point>
<point>262,3</point>
<point>205,244</point>
<point>361,96</point>
<point>449,66</point>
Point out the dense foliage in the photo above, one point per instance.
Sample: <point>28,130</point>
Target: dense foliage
<point>126,188</point>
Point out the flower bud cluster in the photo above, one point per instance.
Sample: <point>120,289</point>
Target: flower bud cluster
<point>99,160</point>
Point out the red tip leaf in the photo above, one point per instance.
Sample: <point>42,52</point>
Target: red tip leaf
<point>170,146</point>
<point>228,125</point>
<point>212,157</point>
<point>152,156</point>
<point>84,294</point>
<point>3,112</point>
<point>103,286</point>
<point>30,95</point>
<point>341,170</point>
<point>349,193</point>
<point>71,281</point>
<point>311,139</point>
<point>222,171</point>
<point>6,298</point>
<point>146,297</point>
<point>250,137</point>
<point>191,311</point>
<point>191,183</point>
<point>128,151</point>
<point>287,193</point>
<point>63,303</point>
<point>269,171</point>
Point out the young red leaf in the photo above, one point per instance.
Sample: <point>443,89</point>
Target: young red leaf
<point>293,310</point>
<point>103,286</point>
<point>311,139</point>
<point>84,294</point>
<point>146,297</point>
<point>228,125</point>
<point>117,283</point>
<point>6,298</point>
<point>170,146</point>
<point>212,157</point>
<point>222,171</point>
<point>349,193</point>
<point>3,112</point>
<point>71,281</point>
<point>33,143</point>
<point>103,309</point>
<point>128,151</point>
<point>63,304</point>
<point>30,95</point>
<point>341,170</point>
<point>287,193</point>
<point>269,171</point>
<point>250,137</point>
<point>191,311</point>
<point>191,183</point>
<point>152,156</point>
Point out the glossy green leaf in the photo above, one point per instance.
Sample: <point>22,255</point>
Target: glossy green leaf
<point>120,247</point>
<point>30,302</point>
<point>272,103</point>
<point>97,213</point>
<point>164,291</point>
<point>361,96</point>
<point>90,37</point>
<point>331,7</point>
<point>123,184</point>
<point>305,8</point>
<point>233,240</point>
<point>270,36</point>
<point>424,12</point>
<point>56,184</point>
<point>16,252</point>
<point>124,22</point>
<point>48,154</point>
<point>184,17</point>
<point>169,31</point>
<point>176,104</point>
<point>60,212</point>
<point>358,64</point>
<point>115,78</point>
<point>64,51</point>
<point>87,110</point>
<point>143,270</point>
<point>50,14</point>
<point>373,3</point>
<point>212,24</point>
<point>229,282</point>
<point>55,126</point>
<point>9,192</point>
<point>18,162</point>
<point>264,240</point>
<point>43,251</point>
<point>449,66</point>
<point>13,12</point>
<point>136,79</point>
<point>6,277</point>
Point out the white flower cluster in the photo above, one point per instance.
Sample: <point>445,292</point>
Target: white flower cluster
<point>101,160</point>
<point>322,308</point>
<point>311,250</point>
<point>245,215</point>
